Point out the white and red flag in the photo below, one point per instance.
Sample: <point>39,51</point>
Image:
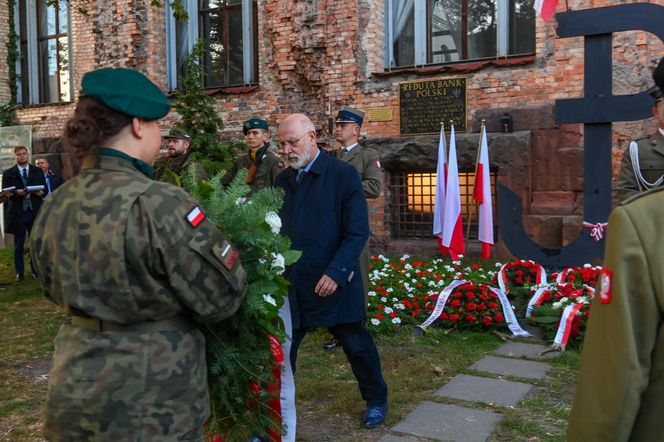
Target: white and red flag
<point>545,8</point>
<point>482,195</point>
<point>439,198</point>
<point>452,226</point>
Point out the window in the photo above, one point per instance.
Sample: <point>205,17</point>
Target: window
<point>413,202</point>
<point>43,68</point>
<point>440,31</point>
<point>228,29</point>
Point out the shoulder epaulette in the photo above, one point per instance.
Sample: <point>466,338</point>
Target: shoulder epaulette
<point>641,195</point>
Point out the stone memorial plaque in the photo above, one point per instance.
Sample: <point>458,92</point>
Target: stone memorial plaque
<point>424,104</point>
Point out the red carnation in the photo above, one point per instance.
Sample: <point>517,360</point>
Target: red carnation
<point>393,315</point>
<point>454,318</point>
<point>471,306</point>
<point>499,318</point>
<point>470,317</point>
<point>492,305</point>
<point>379,316</point>
<point>443,316</point>
<point>455,303</point>
<point>487,321</point>
<point>456,295</point>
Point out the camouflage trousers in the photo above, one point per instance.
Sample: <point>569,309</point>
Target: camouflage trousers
<point>127,386</point>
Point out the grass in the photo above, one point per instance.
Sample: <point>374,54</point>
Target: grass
<point>28,323</point>
<point>329,405</point>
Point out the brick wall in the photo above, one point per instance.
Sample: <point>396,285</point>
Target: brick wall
<point>5,93</point>
<point>314,57</point>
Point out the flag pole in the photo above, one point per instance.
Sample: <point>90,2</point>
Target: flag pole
<point>477,161</point>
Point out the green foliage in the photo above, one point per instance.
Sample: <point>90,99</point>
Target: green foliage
<point>216,158</point>
<point>199,117</point>
<point>7,114</point>
<point>240,356</point>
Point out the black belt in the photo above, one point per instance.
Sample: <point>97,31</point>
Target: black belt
<point>171,324</point>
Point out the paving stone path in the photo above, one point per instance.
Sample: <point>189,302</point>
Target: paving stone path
<point>467,422</point>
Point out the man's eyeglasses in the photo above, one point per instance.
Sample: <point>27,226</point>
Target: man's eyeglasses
<point>292,143</point>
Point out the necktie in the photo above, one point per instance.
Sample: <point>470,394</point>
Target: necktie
<point>344,151</point>
<point>27,204</point>
<point>300,175</point>
<point>48,184</point>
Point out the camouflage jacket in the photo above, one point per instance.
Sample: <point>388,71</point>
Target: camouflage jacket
<point>119,247</point>
<point>176,165</point>
<point>269,166</point>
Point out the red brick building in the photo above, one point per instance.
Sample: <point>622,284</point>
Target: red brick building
<point>272,57</point>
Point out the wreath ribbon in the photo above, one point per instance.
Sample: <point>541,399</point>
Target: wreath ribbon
<point>596,230</point>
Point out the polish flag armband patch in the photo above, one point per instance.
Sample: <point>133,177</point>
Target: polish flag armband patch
<point>195,217</point>
<point>605,282</point>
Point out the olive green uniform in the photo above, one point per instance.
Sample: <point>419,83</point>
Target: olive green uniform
<point>118,247</point>
<point>620,389</point>
<point>651,164</point>
<point>367,164</point>
<point>269,166</point>
<point>178,165</point>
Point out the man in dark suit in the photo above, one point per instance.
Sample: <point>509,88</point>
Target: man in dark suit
<point>52,178</point>
<point>325,215</point>
<point>23,205</point>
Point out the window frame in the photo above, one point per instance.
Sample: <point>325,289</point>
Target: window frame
<point>422,28</point>
<point>35,78</point>
<point>419,224</point>
<point>193,26</point>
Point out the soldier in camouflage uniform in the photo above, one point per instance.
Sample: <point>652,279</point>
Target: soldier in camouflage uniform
<point>642,166</point>
<point>262,163</point>
<point>178,158</point>
<point>136,265</point>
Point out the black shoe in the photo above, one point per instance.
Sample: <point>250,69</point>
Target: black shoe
<point>34,276</point>
<point>374,416</point>
<point>19,278</point>
<point>329,345</point>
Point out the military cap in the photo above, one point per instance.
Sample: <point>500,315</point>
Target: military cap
<point>655,93</point>
<point>127,91</point>
<point>658,75</point>
<point>254,123</point>
<point>178,134</point>
<point>350,115</point>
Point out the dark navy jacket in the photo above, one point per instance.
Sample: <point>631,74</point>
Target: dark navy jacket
<point>326,217</point>
<point>13,208</point>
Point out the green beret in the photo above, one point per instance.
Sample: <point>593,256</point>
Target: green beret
<point>254,123</point>
<point>178,134</point>
<point>127,91</point>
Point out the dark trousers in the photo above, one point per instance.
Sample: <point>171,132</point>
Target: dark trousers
<point>23,228</point>
<point>362,354</point>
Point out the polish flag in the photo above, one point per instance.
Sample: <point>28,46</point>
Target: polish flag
<point>439,199</point>
<point>545,8</point>
<point>452,227</point>
<point>482,195</point>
